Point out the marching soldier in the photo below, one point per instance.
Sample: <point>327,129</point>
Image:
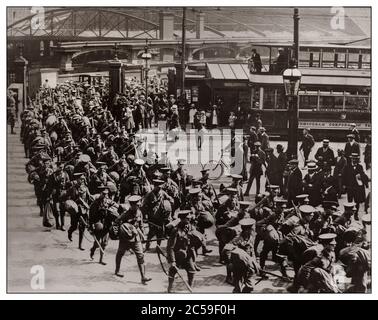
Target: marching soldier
<point>180,250</point>
<point>316,276</point>
<point>236,183</point>
<point>229,208</point>
<point>246,239</point>
<point>135,182</point>
<point>243,266</point>
<point>58,184</point>
<point>207,188</point>
<point>170,187</point>
<point>202,210</point>
<point>100,178</point>
<point>357,263</point>
<point>79,193</point>
<point>157,206</point>
<point>102,212</point>
<point>131,235</point>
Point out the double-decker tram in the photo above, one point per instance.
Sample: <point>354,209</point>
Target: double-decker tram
<point>335,89</point>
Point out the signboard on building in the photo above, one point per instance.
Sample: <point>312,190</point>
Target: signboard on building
<point>336,125</point>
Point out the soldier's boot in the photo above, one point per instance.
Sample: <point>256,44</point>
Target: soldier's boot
<point>229,279</point>
<point>356,216</point>
<point>118,260</point>
<point>283,271</point>
<point>91,254</point>
<point>40,210</point>
<point>69,234</point>
<point>57,224</point>
<point>62,222</point>
<point>170,283</point>
<point>190,279</point>
<point>262,267</point>
<point>205,251</point>
<point>81,235</point>
<point>101,261</point>
<point>142,269</point>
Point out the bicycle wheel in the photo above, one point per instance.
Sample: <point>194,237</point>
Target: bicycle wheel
<point>215,169</point>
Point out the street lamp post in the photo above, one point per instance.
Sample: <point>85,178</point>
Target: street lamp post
<point>146,56</point>
<point>291,80</point>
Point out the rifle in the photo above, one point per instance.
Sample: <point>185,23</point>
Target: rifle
<point>297,211</point>
<point>94,237</point>
<point>158,249</point>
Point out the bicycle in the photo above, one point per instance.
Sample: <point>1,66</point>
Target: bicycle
<point>217,168</point>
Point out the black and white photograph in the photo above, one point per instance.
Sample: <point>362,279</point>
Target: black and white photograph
<point>188,149</point>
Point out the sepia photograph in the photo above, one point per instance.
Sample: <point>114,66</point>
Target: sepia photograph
<point>212,149</point>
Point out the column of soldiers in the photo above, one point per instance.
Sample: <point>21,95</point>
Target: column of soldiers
<point>84,161</point>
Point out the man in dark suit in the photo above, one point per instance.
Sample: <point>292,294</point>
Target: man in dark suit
<point>352,146</point>
<point>294,184</point>
<point>307,144</point>
<point>325,156</point>
<point>355,180</point>
<point>282,162</point>
<point>340,164</point>
<point>312,183</point>
<point>254,62</point>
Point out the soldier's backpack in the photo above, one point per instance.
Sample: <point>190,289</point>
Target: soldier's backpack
<point>114,232</point>
<point>127,231</point>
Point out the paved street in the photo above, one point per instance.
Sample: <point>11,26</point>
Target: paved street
<point>67,269</point>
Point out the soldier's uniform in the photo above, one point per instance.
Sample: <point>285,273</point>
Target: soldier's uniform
<point>203,214</point>
<point>180,176</point>
<point>59,182</point>
<point>100,178</point>
<point>237,184</point>
<point>157,206</point>
<point>102,212</point>
<point>42,191</point>
<point>79,193</point>
<point>131,234</point>
<point>243,265</point>
<point>135,182</point>
<point>170,187</point>
<point>180,250</point>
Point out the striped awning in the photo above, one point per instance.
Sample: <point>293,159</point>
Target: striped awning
<point>228,71</point>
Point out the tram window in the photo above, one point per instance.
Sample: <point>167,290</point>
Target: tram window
<point>341,60</point>
<point>331,102</point>
<point>353,60</point>
<point>304,59</point>
<point>357,103</point>
<point>366,61</point>
<point>269,94</point>
<point>328,60</point>
<point>308,102</point>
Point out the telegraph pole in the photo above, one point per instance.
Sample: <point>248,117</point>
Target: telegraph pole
<point>183,45</point>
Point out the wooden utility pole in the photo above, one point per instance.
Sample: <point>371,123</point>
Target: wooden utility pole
<point>183,45</point>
